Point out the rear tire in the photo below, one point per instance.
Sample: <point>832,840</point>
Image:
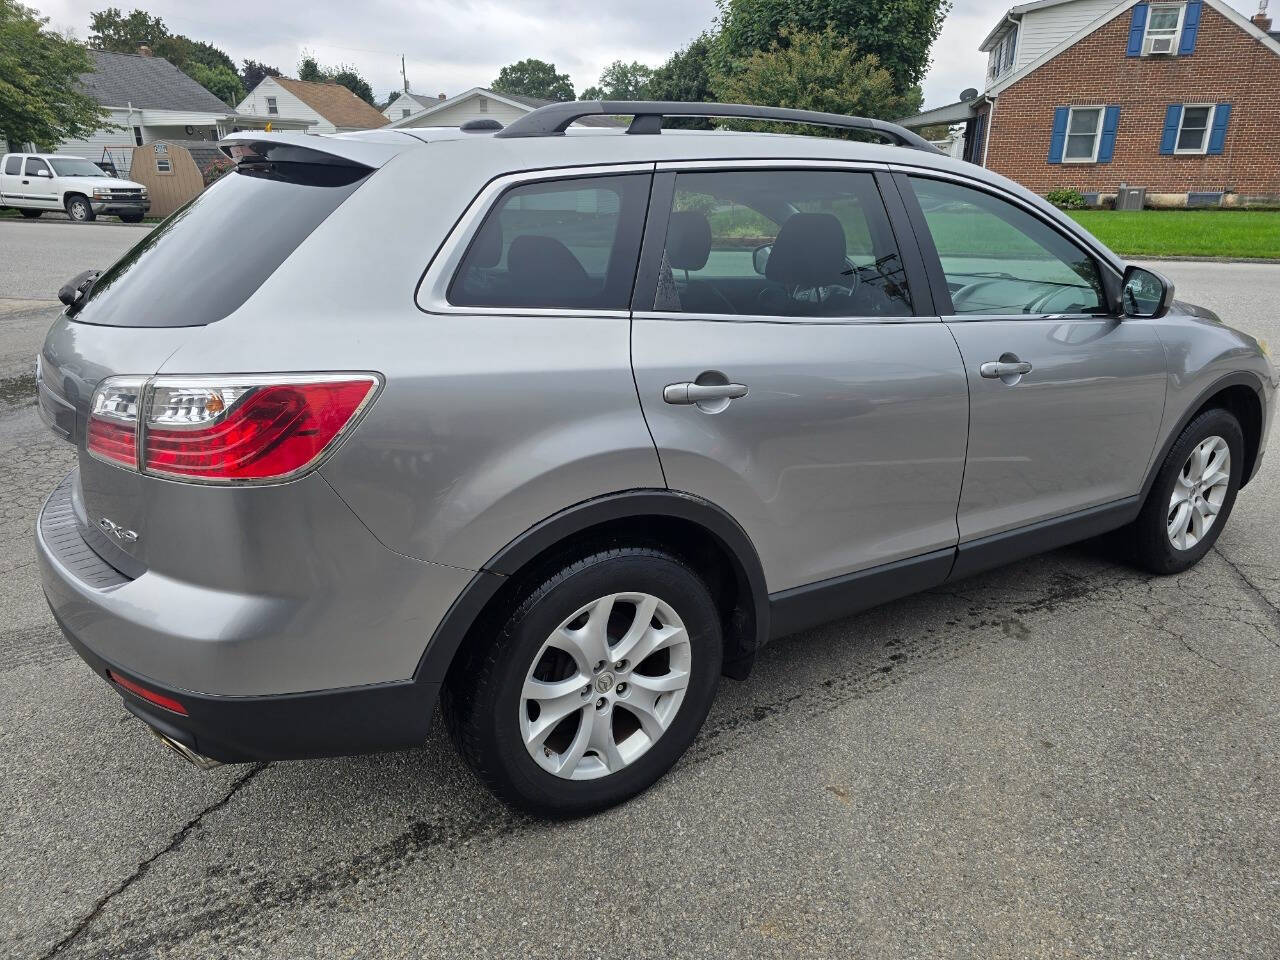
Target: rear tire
<point>32,214</point>
<point>613,724</point>
<point>79,210</point>
<point>1192,495</point>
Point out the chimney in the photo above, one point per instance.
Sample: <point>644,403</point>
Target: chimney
<point>144,51</point>
<point>442,97</point>
<point>1260,19</point>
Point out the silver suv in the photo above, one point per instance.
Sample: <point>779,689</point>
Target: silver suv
<point>559,425</point>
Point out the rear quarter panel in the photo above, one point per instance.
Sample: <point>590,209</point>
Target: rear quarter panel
<point>487,424</point>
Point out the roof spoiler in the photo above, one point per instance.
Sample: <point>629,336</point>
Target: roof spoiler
<point>259,146</point>
<point>553,119</point>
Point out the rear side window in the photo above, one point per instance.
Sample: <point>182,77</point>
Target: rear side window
<point>785,243</point>
<point>569,244</point>
<point>207,259</point>
<point>13,165</point>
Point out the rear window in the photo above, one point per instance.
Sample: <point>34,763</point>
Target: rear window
<point>13,166</point>
<point>209,257</point>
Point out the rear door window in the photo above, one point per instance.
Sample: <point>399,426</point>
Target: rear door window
<point>206,259</point>
<point>13,165</point>
<point>787,243</point>
<point>561,244</point>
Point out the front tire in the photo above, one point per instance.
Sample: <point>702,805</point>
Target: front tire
<point>79,210</point>
<point>1192,495</point>
<point>595,686</point>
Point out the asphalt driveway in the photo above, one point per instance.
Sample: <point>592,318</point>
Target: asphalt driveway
<point>1066,758</point>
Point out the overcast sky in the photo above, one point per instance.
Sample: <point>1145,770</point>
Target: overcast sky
<point>451,46</point>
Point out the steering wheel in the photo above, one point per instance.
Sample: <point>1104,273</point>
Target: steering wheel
<point>969,289</point>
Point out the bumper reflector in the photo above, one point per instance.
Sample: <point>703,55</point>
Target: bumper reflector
<point>159,699</point>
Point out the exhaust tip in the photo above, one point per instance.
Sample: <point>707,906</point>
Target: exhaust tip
<point>182,750</point>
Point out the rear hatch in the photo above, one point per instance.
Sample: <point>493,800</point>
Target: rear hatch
<point>197,267</point>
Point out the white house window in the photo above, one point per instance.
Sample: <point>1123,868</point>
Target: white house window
<point>271,106</point>
<point>137,135</point>
<point>404,111</point>
<point>483,104</point>
<point>1083,128</point>
<point>1193,131</point>
<point>1002,55</point>
<point>1164,26</point>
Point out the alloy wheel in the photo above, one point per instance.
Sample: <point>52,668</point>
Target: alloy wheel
<point>605,686</point>
<point>1199,492</point>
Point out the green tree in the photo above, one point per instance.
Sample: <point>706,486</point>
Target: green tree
<point>343,74</point>
<point>222,83</point>
<point>686,78</point>
<point>253,73</point>
<point>621,81</point>
<point>112,30</point>
<point>898,33</point>
<point>815,71</point>
<point>534,78</point>
<point>40,101</point>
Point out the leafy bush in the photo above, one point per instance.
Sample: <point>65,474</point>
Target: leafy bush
<point>1066,198</point>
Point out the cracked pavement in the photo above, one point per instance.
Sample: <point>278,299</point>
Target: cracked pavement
<point>1064,758</point>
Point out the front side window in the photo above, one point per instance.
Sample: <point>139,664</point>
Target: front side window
<point>1000,260</point>
<point>13,165</point>
<point>1193,132</point>
<point>569,244</point>
<point>271,106</point>
<point>1083,127</point>
<point>1164,23</point>
<point>786,243</point>
<point>35,167</point>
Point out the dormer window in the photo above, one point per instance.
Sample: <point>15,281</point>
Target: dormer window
<point>1002,54</point>
<point>1164,27</point>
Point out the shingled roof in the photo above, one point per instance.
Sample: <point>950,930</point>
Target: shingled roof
<point>148,83</point>
<point>335,103</point>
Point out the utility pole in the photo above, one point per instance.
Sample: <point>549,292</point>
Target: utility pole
<point>403,75</point>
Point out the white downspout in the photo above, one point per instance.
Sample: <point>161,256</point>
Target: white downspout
<point>986,140</point>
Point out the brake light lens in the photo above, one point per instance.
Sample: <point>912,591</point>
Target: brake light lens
<point>249,429</point>
<point>138,690</point>
<point>113,420</point>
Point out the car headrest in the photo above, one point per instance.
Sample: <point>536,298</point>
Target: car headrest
<point>688,240</point>
<point>808,252</point>
<point>486,251</point>
<point>545,267</point>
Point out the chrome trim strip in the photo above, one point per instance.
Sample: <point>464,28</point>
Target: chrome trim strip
<point>432,293</point>
<point>766,318</point>
<point>770,164</point>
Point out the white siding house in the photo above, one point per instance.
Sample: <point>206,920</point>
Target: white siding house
<point>317,107</point>
<point>1030,30</point>
<point>408,104</point>
<point>480,103</point>
<point>147,99</point>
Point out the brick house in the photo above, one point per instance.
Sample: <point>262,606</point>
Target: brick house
<point>1180,98</point>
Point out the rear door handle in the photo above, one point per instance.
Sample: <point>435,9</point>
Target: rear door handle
<point>999,369</point>
<point>686,393</point>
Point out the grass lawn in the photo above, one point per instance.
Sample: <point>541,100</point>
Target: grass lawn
<point>1186,233</point>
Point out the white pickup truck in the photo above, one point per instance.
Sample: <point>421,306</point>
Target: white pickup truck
<point>36,182</point>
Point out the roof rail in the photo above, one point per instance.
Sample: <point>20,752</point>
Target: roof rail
<point>553,119</point>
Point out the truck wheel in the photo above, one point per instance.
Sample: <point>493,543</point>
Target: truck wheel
<point>78,209</point>
<point>32,214</point>
<point>595,686</point>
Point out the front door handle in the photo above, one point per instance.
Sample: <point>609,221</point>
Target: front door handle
<point>686,393</point>
<point>1008,369</point>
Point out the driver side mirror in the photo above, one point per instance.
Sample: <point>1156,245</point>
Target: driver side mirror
<point>1145,294</point>
<point>43,173</point>
<point>760,257</point>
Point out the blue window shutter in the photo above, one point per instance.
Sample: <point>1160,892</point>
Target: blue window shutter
<point>1137,28</point>
<point>1190,26</point>
<point>1218,134</point>
<point>1172,117</point>
<point>1110,121</point>
<point>1059,138</point>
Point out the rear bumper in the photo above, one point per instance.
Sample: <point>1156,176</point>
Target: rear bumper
<point>113,620</point>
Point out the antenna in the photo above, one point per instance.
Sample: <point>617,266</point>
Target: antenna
<point>405,77</point>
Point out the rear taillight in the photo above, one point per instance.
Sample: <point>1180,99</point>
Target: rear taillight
<point>113,420</point>
<point>138,690</point>
<point>237,429</point>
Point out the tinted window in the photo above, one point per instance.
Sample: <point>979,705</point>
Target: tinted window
<point>76,167</point>
<point>207,258</point>
<point>12,165</point>
<point>785,243</point>
<point>1001,260</point>
<point>570,244</point>
<point>34,166</point>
